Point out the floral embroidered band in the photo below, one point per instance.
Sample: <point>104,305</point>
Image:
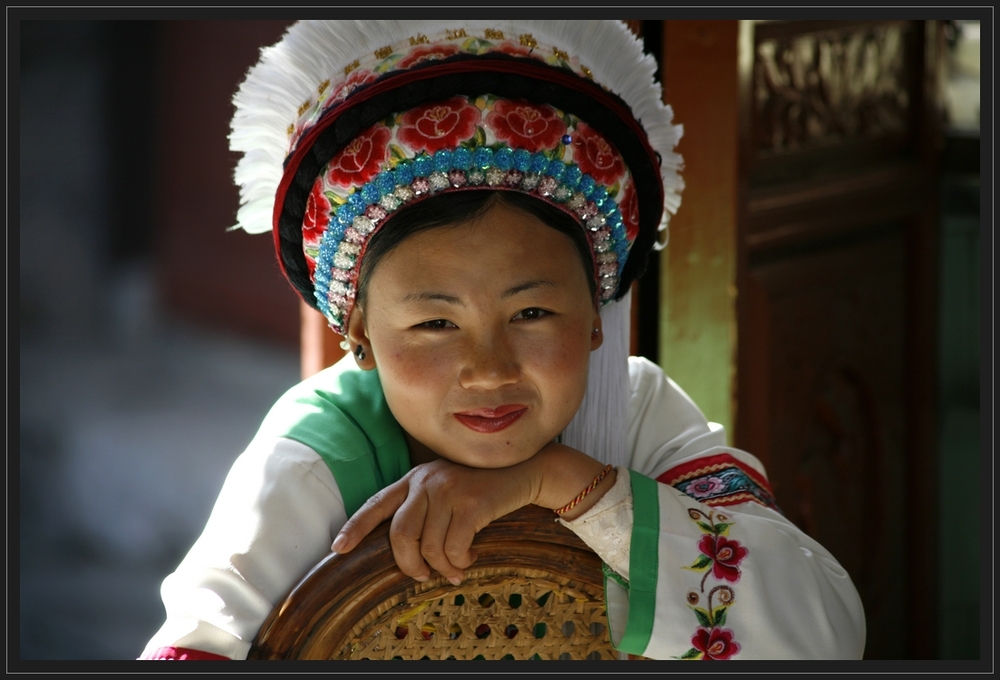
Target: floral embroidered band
<point>720,480</point>
<point>719,557</point>
<point>464,143</point>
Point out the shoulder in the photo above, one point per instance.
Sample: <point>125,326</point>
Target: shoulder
<point>341,414</point>
<point>341,405</point>
<point>673,442</point>
<point>276,466</point>
<point>341,388</point>
<point>652,389</point>
<point>666,427</point>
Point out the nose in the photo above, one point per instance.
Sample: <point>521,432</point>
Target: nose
<point>491,362</point>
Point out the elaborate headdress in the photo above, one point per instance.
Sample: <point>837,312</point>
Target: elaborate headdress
<point>342,123</point>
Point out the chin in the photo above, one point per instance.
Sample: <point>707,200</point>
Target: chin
<point>493,456</point>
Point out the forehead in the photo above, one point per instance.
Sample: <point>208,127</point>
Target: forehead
<point>503,241</point>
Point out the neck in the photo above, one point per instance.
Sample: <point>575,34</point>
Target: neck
<point>419,453</point>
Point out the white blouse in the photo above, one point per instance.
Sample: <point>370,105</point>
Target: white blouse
<point>721,574</point>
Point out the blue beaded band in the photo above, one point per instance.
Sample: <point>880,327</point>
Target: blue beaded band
<point>554,181</point>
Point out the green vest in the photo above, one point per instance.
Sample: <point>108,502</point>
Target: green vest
<point>341,414</point>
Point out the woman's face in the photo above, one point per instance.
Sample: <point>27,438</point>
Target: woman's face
<point>481,333</point>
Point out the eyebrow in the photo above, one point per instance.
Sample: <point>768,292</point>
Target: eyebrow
<point>427,295</point>
<point>430,295</point>
<point>527,285</point>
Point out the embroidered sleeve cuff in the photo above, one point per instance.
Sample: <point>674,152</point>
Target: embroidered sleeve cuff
<point>643,568</point>
<point>607,527</point>
<point>720,480</point>
<point>623,529</point>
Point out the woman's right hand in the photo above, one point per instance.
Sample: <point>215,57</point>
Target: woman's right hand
<point>436,510</point>
<point>438,507</point>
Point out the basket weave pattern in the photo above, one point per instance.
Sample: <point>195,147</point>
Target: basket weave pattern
<point>536,591</point>
<point>501,613</point>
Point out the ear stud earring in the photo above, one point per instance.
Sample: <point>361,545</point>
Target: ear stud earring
<point>360,353</point>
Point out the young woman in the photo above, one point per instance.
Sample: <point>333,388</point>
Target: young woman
<point>467,203</point>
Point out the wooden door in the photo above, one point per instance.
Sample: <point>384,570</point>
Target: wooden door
<point>836,307</point>
<point>797,292</point>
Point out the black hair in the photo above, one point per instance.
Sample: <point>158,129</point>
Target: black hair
<point>449,209</point>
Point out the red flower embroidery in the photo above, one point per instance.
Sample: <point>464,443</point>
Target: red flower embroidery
<point>726,556</point>
<point>716,644</point>
<point>359,161</point>
<point>427,53</point>
<point>356,79</point>
<point>442,125</point>
<point>596,156</point>
<point>317,214</point>
<point>629,208</point>
<point>526,126</point>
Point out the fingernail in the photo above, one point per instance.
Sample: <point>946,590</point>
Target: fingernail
<point>339,543</point>
<point>421,578</point>
<point>456,580</point>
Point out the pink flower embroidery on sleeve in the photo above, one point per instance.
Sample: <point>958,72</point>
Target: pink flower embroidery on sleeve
<point>715,644</point>
<point>703,486</point>
<point>720,558</point>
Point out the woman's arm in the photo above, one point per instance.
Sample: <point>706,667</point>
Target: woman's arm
<point>437,508</point>
<point>274,519</point>
<point>711,568</point>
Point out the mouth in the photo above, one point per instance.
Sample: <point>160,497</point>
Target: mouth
<point>489,420</point>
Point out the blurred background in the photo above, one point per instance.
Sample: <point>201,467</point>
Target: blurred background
<point>152,340</point>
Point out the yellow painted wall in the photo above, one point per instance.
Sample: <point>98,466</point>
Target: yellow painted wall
<point>698,268</point>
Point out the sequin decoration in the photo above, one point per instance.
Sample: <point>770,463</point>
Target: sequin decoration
<point>372,203</point>
<point>456,144</point>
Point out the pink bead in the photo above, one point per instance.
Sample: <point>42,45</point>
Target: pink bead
<point>375,213</point>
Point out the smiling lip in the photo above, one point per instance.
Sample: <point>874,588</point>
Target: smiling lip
<point>488,420</point>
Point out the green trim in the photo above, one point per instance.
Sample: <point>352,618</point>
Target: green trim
<point>643,564</point>
<point>614,576</point>
<point>342,415</point>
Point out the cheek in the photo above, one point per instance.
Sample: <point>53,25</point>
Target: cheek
<point>409,374</point>
<point>413,379</point>
<point>563,361</point>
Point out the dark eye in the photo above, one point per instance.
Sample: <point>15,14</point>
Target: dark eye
<point>530,314</point>
<point>436,324</point>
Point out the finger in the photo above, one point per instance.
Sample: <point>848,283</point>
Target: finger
<point>432,543</point>
<point>376,510</point>
<point>405,534</point>
<point>458,543</point>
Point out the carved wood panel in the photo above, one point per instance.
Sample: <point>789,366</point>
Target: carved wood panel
<point>831,95</point>
<point>825,87</point>
<point>834,320</point>
<point>836,310</point>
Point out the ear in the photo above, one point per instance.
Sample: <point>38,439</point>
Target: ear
<point>597,335</point>
<point>357,339</point>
